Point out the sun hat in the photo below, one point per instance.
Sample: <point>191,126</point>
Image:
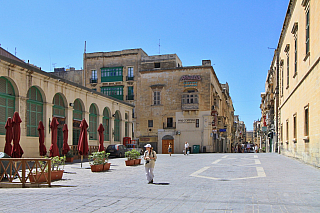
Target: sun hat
<point>148,145</point>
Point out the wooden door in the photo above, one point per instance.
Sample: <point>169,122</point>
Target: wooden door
<point>165,145</point>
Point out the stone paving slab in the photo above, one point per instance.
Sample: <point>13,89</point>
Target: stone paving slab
<point>239,182</point>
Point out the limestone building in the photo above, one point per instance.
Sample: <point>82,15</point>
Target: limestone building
<point>296,62</point>
<point>178,104</point>
<point>171,102</point>
<point>38,95</point>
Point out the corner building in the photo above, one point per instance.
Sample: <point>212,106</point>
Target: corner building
<point>182,104</point>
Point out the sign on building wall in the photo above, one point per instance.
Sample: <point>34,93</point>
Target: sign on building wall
<point>190,78</point>
<point>187,121</point>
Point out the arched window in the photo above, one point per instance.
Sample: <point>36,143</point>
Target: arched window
<point>77,118</point>
<point>93,128</point>
<point>106,125</point>
<point>34,111</point>
<point>7,106</point>
<point>117,126</point>
<point>77,110</point>
<point>58,109</point>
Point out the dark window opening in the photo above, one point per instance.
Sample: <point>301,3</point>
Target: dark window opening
<point>157,65</point>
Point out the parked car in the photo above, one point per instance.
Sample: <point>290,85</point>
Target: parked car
<point>116,150</point>
<point>133,146</point>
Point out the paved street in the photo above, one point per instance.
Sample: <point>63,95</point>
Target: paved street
<point>195,183</point>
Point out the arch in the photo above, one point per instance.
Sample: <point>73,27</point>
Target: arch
<point>106,123</point>
<point>59,105</point>
<point>78,109</point>
<point>34,110</point>
<point>93,122</point>
<point>167,137</point>
<point>117,125</point>
<point>7,102</point>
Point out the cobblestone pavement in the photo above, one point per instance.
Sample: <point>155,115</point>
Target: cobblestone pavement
<point>196,183</point>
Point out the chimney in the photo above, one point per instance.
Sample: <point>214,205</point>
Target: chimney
<point>206,62</point>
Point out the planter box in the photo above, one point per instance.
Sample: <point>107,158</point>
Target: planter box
<point>55,175</point>
<point>137,161</point>
<point>69,159</point>
<point>106,166</point>
<point>129,162</point>
<point>96,168</point>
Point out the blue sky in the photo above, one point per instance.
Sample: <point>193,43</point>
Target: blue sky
<point>234,35</point>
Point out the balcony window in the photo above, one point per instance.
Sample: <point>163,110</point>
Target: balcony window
<point>94,77</point>
<point>190,100</point>
<point>111,74</point>
<point>116,91</point>
<point>130,74</point>
<point>130,95</point>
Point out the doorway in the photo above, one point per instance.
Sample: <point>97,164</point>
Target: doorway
<point>166,140</point>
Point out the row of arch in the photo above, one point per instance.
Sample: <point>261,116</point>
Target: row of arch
<point>35,112</point>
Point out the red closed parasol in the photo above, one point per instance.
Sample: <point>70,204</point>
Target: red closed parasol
<point>17,151</point>
<point>42,147</point>
<point>54,150</point>
<point>101,137</point>
<point>65,147</point>
<point>83,147</point>
<point>9,136</point>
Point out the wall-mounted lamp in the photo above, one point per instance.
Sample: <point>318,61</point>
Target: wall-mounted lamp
<point>178,132</point>
<point>71,104</point>
<point>114,115</point>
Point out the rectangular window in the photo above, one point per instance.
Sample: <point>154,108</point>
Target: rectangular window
<point>287,130</point>
<point>307,30</point>
<point>126,129</point>
<point>150,123</point>
<point>306,121</point>
<point>197,123</point>
<point>156,98</point>
<point>288,69</point>
<point>111,74</point>
<point>130,71</point>
<point>130,95</point>
<point>170,122</point>
<point>94,76</point>
<point>281,133</point>
<point>157,65</point>
<point>295,54</point>
<point>295,126</point>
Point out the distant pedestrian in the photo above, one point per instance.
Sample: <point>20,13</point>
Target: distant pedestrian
<point>170,149</point>
<point>150,158</point>
<point>248,147</point>
<point>256,148</point>
<point>186,148</point>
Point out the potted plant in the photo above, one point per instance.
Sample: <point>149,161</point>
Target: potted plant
<point>130,158</point>
<point>136,156</point>
<point>69,157</point>
<point>56,171</point>
<point>99,161</point>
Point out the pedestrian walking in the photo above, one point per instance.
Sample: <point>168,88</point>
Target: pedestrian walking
<point>150,157</point>
<point>256,148</point>
<point>186,148</point>
<point>248,147</point>
<point>170,149</point>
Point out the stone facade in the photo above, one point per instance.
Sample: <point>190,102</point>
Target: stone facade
<point>168,117</point>
<point>296,62</point>
<point>173,117</point>
<point>24,78</point>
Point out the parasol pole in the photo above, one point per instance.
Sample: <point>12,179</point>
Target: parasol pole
<point>81,160</point>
